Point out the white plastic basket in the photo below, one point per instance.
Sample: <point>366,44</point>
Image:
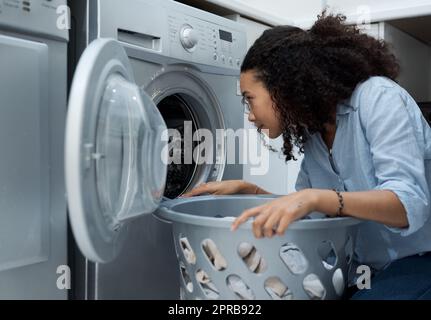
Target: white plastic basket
<point>310,261</point>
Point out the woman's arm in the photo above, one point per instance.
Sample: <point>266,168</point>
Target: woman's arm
<point>275,216</point>
<point>377,205</point>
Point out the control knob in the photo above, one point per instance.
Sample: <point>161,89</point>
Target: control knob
<point>189,37</point>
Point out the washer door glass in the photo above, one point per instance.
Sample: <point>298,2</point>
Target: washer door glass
<point>116,154</point>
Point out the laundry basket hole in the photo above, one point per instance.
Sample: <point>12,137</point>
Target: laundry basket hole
<point>314,287</point>
<point>252,258</point>
<point>187,250</point>
<point>293,258</point>
<point>186,278</point>
<point>214,255</point>
<point>206,284</point>
<point>239,287</point>
<point>338,282</point>
<point>348,249</point>
<point>277,290</point>
<point>327,254</point>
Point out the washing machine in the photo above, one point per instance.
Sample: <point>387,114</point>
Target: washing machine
<point>142,66</point>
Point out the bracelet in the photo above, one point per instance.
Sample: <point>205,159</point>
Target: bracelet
<point>341,203</point>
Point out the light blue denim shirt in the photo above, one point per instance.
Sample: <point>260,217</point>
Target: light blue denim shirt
<point>382,142</point>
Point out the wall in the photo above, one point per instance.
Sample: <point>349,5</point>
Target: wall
<point>415,62</point>
<point>413,55</point>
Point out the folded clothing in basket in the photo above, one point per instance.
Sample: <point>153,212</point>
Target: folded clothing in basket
<point>277,290</point>
<point>214,255</point>
<point>207,286</point>
<point>252,258</point>
<point>188,251</point>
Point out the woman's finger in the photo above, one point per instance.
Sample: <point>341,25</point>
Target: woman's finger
<point>245,216</point>
<point>271,223</point>
<point>283,224</point>
<point>260,221</point>
<point>203,188</point>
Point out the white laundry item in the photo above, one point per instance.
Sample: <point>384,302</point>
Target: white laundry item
<point>337,279</point>
<point>262,266</point>
<point>187,280</point>
<point>207,285</point>
<point>314,287</point>
<point>238,286</point>
<point>214,254</point>
<point>189,286</point>
<point>294,258</point>
<point>244,249</point>
<point>189,254</point>
<point>327,265</point>
<point>338,282</point>
<point>252,258</point>
<point>277,290</point>
<point>297,263</point>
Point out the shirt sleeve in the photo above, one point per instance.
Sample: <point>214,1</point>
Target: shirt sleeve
<point>396,150</point>
<point>303,180</point>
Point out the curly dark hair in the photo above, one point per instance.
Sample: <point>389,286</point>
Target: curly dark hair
<point>307,73</point>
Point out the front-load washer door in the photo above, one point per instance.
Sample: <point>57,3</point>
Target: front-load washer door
<point>116,153</point>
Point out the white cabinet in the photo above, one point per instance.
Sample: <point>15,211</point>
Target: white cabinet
<point>365,11</point>
<point>275,12</point>
<point>304,13</point>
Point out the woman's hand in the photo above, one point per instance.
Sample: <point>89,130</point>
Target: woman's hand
<point>223,187</point>
<point>275,216</point>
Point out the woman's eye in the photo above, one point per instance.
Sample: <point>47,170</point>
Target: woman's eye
<point>246,104</point>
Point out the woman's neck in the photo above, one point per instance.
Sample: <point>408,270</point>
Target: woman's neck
<point>329,135</point>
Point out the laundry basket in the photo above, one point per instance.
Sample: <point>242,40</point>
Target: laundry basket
<point>310,261</point>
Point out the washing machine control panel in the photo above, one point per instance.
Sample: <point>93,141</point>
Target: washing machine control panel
<point>46,17</point>
<point>205,42</point>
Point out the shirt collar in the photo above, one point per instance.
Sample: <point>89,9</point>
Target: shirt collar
<point>345,107</point>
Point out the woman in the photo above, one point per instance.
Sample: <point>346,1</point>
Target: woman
<point>331,91</point>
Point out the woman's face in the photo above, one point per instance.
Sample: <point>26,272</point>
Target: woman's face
<point>262,110</point>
